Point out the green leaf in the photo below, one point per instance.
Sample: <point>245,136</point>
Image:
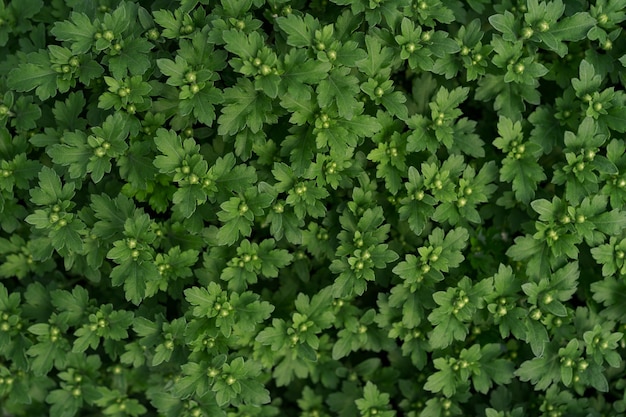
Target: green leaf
<point>118,323</point>
<point>30,77</point>
<point>298,69</point>
<point>526,247</point>
<point>170,144</point>
<point>169,21</point>
<point>68,236</point>
<point>241,44</point>
<point>540,371</point>
<point>187,198</point>
<point>451,245</point>
<point>444,380</point>
<point>609,292</point>
<point>500,371</point>
<point>338,139</point>
<point>598,380</point>
<point>45,355</point>
<point>374,399</point>
<point>89,70</point>
<point>447,329</point>
<point>299,102</point>
<point>73,305</point>
<point>573,28</point>
<point>237,218</point>
<point>299,31</point>
<point>78,30</point>
<point>274,259</point>
<point>605,255</point>
<point>235,7</point>
<point>237,178</point>
<point>537,337</point>
<point>394,103</point>
<point>133,59</point>
<point>505,23</point>
<point>85,338</point>
<point>161,354</point>
<point>306,352</point>
<point>136,166</point>
<point>341,88</point>
<point>250,310</point>
<point>63,403</point>
<point>175,70</point>
<point>203,105</point>
<point>73,153</point>
<point>524,174</point>
<point>134,275</point>
<point>615,118</point>
<point>203,299</point>
<point>274,336</point>
<point>244,106</point>
<point>589,81</point>
<point>378,57</point>
<point>441,45</point>
<point>50,190</point>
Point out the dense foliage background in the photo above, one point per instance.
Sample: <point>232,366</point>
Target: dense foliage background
<point>312,208</point>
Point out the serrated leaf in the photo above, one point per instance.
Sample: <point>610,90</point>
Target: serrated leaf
<point>30,77</point>
<point>78,29</point>
<point>85,338</point>
<point>187,198</point>
<point>541,372</point>
<point>175,70</point>
<point>63,403</point>
<point>170,144</point>
<point>340,87</point>
<point>202,299</point>
<point>537,337</point>
<point>604,255</point>
<point>299,102</point>
<point>611,222</point>
<point>50,190</point>
<point>524,174</point>
<point>615,118</point>
<point>588,80</point>
<point>299,69</point>
<point>378,57</point>
<point>504,23</point>
<point>299,31</point>
<point>244,106</point>
<point>133,59</point>
<point>573,28</point>
<point>238,178</point>
<point>447,329</point>
<point>45,354</point>
<point>306,352</point>
<point>73,153</point>
<point>134,275</point>
<point>161,354</point>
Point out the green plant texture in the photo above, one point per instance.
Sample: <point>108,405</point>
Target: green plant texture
<point>312,208</point>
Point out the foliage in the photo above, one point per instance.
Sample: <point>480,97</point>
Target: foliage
<point>312,208</point>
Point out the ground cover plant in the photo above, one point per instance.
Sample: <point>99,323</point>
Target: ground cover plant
<point>312,208</point>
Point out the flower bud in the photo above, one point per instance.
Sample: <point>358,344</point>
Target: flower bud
<point>527,33</point>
